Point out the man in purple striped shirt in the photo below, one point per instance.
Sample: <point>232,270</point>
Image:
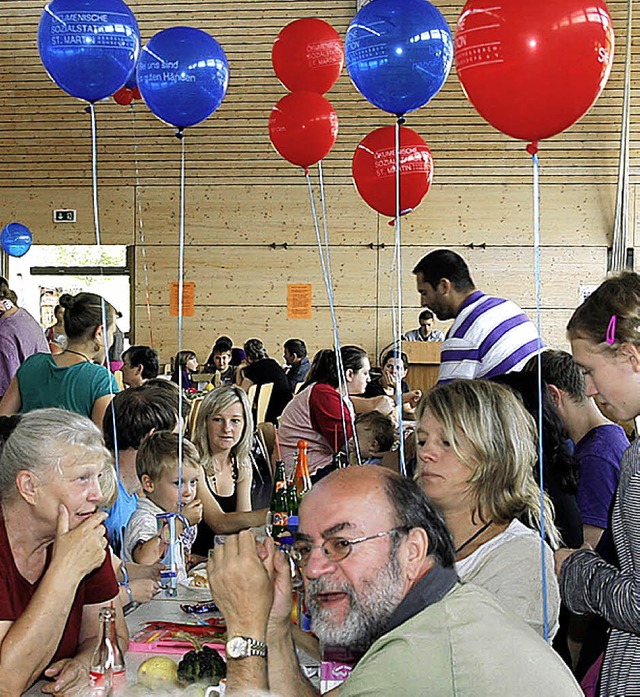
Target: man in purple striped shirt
<point>489,336</point>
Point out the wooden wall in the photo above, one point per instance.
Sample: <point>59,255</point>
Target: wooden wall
<point>244,204</point>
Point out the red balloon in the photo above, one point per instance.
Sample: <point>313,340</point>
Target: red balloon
<point>308,55</point>
<point>303,128</point>
<point>374,170</point>
<point>532,69</point>
<point>123,96</point>
<point>135,92</point>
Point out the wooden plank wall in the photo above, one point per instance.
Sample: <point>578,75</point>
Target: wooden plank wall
<point>249,227</point>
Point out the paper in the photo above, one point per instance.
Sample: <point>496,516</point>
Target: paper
<point>188,299</point>
<point>299,297</point>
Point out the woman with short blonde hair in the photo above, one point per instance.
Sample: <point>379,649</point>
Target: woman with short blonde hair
<point>476,447</point>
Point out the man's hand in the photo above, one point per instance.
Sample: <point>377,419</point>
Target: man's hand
<point>240,585</point>
<point>70,676</point>
<point>279,569</point>
<point>193,512</point>
<point>83,549</point>
<point>560,556</point>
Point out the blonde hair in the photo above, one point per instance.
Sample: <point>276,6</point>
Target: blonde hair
<point>214,402</point>
<point>493,435</point>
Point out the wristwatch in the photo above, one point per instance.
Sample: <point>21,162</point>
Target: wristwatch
<point>243,646</point>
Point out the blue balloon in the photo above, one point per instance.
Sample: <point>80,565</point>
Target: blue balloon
<point>398,53</point>
<point>89,47</point>
<point>16,239</point>
<point>183,75</point>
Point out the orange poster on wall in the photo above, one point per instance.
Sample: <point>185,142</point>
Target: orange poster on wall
<point>188,299</point>
<point>299,296</point>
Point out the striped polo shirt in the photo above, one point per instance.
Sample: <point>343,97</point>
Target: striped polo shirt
<point>489,336</point>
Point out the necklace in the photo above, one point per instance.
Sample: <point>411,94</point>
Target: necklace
<point>78,353</point>
<point>475,535</point>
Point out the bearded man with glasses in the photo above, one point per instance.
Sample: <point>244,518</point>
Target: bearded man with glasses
<point>378,567</point>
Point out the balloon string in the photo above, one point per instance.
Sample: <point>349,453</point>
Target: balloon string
<point>103,306</point>
<point>538,281</point>
<point>329,289</point>
<point>397,326</point>
<point>180,298</point>
<point>143,247</point>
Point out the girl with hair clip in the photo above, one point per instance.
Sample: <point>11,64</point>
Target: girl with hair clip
<point>476,448</point>
<point>75,379</point>
<point>605,341</point>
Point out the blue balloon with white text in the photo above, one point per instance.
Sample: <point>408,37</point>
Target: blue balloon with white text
<point>16,239</point>
<point>183,75</point>
<point>88,47</point>
<point>399,53</point>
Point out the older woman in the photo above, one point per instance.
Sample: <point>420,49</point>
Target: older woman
<point>75,378</point>
<point>476,448</point>
<point>55,567</point>
<point>224,437</point>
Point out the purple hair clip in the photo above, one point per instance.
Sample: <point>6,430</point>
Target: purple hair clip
<point>610,336</point>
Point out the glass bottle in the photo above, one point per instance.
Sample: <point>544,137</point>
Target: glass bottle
<point>279,505</point>
<point>107,670</point>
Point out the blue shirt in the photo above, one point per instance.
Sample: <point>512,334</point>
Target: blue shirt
<point>119,515</point>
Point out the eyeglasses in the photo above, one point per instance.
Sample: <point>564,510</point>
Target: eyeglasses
<point>335,548</point>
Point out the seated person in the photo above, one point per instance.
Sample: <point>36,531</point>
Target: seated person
<point>376,435</point>
<point>295,356</point>
<point>321,413</point>
<point>164,492</point>
<point>394,369</point>
<point>224,436</point>
<point>259,369</point>
<point>55,563</point>
<point>219,363</point>
<point>476,448</point>
<point>185,364</point>
<point>377,565</point>
<point>139,364</point>
<point>425,331</point>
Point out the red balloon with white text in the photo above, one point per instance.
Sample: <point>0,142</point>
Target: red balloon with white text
<point>374,170</point>
<point>532,69</point>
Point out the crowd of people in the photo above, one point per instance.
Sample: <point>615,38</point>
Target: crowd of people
<point>500,557</point>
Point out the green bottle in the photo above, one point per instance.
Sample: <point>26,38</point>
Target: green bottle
<point>279,506</point>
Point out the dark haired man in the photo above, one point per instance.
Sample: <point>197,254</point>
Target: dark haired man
<point>599,443</point>
<point>139,364</point>
<point>489,336</point>
<point>377,562</point>
<point>295,356</point>
<point>426,330</point>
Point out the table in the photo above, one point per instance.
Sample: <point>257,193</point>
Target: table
<point>168,609</point>
<point>424,363</point>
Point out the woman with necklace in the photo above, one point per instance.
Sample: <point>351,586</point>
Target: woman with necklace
<point>223,436</point>
<point>476,448</point>
<point>74,379</point>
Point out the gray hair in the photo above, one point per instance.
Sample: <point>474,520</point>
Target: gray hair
<point>220,399</point>
<point>42,439</point>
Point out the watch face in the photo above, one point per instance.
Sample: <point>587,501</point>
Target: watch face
<point>237,647</point>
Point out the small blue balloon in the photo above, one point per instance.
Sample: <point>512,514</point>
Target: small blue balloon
<point>16,239</point>
<point>183,75</point>
<point>399,53</point>
<point>88,47</point>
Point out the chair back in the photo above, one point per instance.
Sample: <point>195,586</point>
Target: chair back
<point>193,415</point>
<point>264,397</point>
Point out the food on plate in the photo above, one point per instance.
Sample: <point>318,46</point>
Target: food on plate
<point>157,672</point>
<point>199,580</point>
<point>205,664</point>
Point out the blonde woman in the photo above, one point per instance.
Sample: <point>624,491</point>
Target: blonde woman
<point>476,449</point>
<point>223,436</point>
